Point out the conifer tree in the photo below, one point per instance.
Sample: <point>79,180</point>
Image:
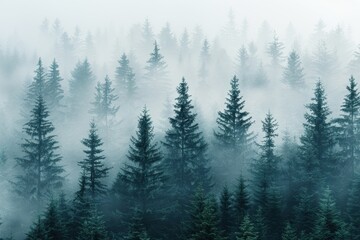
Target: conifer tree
<point>81,86</point>
<point>63,210</point>
<point>93,227</point>
<point>348,134</point>
<point>234,123</point>
<point>125,78</point>
<point>324,63</point>
<point>54,91</point>
<point>226,218</point>
<point>289,233</point>
<point>247,230</point>
<point>317,162</point>
<point>241,201</point>
<point>243,65</point>
<point>52,224</point>
<point>147,35</point>
<point>260,225</point>
<point>156,66</point>
<point>93,164</point>
<point>266,167</point>
<point>103,106</point>
<point>353,207</point>
<point>275,51</point>
<point>41,173</point>
<point>137,230</point>
<point>186,159</point>
<point>38,86</point>
<point>37,231</point>
<point>143,175</point>
<point>204,61</point>
<point>328,224</point>
<point>305,215</point>
<point>294,72</point>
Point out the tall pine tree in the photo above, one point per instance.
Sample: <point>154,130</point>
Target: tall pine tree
<point>294,72</point>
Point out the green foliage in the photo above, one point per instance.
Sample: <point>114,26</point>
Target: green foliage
<point>247,230</point>
<point>294,72</point>
<point>125,77</point>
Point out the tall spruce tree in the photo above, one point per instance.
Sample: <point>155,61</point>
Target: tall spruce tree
<point>93,164</point>
<point>186,159</point>
<point>275,51</point>
<point>143,175</point>
<point>37,231</point>
<point>289,233</point>
<point>156,66</point>
<point>125,78</point>
<point>233,133</point>
<point>317,162</point>
<point>54,91</point>
<point>52,223</point>
<point>41,173</point>
<point>37,87</point>
<point>353,207</point>
<point>104,106</point>
<point>247,230</point>
<point>241,201</point>
<point>81,85</point>
<point>265,169</point>
<point>93,227</point>
<point>226,216</point>
<point>347,126</point>
<point>294,73</point>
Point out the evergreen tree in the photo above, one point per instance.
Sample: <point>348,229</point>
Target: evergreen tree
<point>233,133</point>
<point>243,65</point>
<point>52,224</point>
<point>275,51</point>
<point>92,165</point>
<point>143,175</point>
<point>204,61</point>
<point>348,128</point>
<point>63,210</point>
<point>273,214</point>
<point>241,201</point>
<point>226,218</point>
<point>40,169</point>
<point>186,159</point>
<point>156,66</point>
<point>93,227</point>
<point>247,230</point>
<point>37,231</point>
<point>353,207</point>
<point>328,225</point>
<point>147,35</point>
<point>260,225</point>
<point>294,72</point>
<point>324,63</point>
<point>305,215</point>
<point>54,91</point>
<point>167,40</point>
<point>266,168</point>
<point>125,78</point>
<point>203,218</point>
<point>137,230</point>
<point>81,85</point>
<point>37,87</point>
<point>289,233</point>
<point>317,162</point>
<point>105,97</point>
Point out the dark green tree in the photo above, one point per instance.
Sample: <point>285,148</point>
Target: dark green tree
<point>226,216</point>
<point>143,175</point>
<point>137,230</point>
<point>305,215</point>
<point>125,78</point>
<point>353,207</point>
<point>156,66</point>
<point>317,162</point>
<point>93,164</point>
<point>41,173</point>
<point>54,91</point>
<point>260,224</point>
<point>93,227</point>
<point>38,85</point>
<point>275,51</point>
<point>241,201</point>
<point>37,231</point>
<point>289,233</point>
<point>186,159</point>
<point>247,230</point>
<point>52,223</point>
<point>294,73</point>
<point>233,133</point>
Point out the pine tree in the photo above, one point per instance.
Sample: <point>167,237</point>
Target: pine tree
<point>137,230</point>
<point>353,207</point>
<point>305,215</point>
<point>37,87</point>
<point>54,91</point>
<point>147,35</point>
<point>317,162</point>
<point>204,61</point>
<point>203,219</point>
<point>266,168</point>
<point>294,72</point>
<point>81,85</point>
<point>186,159</point>
<point>93,166</point>
<point>275,51</point>
<point>37,231</point>
<point>233,133</point>
<point>103,106</point>
<point>226,218</point>
<point>273,214</point>
<point>40,169</point>
<point>324,63</point>
<point>167,40</point>
<point>52,224</point>
<point>289,233</point>
<point>247,230</point>
<point>63,210</point>
<point>125,78</point>
<point>348,134</point>
<point>241,200</point>
<point>260,225</point>
<point>156,66</point>
<point>243,65</point>
<point>328,224</point>
<point>93,227</point>
<point>143,175</point>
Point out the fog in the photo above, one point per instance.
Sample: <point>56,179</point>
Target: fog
<point>101,31</point>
